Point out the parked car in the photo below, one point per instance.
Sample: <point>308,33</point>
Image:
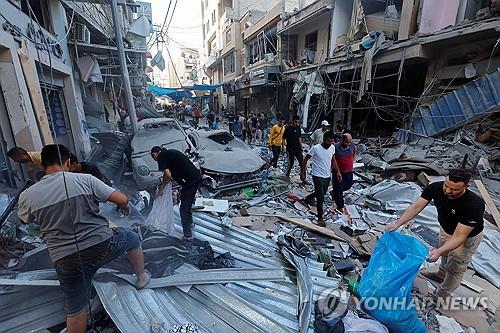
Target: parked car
<point>220,153</point>
<point>163,132</point>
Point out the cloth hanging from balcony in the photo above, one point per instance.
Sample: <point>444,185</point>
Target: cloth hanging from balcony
<point>89,69</point>
<point>378,38</point>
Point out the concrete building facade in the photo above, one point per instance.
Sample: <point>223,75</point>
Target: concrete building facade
<point>59,75</point>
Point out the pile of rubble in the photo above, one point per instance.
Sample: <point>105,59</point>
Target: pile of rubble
<point>260,262</point>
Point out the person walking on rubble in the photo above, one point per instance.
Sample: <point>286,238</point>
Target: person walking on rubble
<point>243,126</point>
<point>293,144</point>
<point>262,128</point>
<point>177,166</point>
<point>460,216</point>
<point>276,141</point>
<point>345,155</point>
<point>323,159</point>
<point>317,135</point>
<point>66,207</point>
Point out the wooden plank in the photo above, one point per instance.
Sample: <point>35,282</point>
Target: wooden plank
<point>311,227</point>
<point>31,283</point>
<point>472,286</point>
<point>31,78</point>
<point>489,202</point>
<point>406,19</point>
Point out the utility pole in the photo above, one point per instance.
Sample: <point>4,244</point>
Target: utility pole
<point>123,67</point>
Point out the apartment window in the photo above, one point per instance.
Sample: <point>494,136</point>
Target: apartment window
<point>213,17</point>
<point>229,64</point>
<point>265,43</point>
<point>312,41</point>
<point>41,13</point>
<point>228,36</point>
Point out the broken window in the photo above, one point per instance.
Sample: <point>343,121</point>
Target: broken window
<point>312,41</point>
<point>229,64</point>
<point>39,12</point>
<point>264,44</point>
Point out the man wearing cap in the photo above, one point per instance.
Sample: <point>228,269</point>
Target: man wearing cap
<point>317,135</point>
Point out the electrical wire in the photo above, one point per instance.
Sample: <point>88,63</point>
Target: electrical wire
<point>171,16</point>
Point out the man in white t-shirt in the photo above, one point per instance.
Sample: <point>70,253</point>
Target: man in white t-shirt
<point>323,159</point>
<point>317,135</point>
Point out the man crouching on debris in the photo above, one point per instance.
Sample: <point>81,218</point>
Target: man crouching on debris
<point>177,166</point>
<point>460,215</point>
<point>79,240</point>
<point>323,158</point>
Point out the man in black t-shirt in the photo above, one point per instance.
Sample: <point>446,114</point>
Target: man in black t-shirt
<point>460,215</point>
<point>177,166</point>
<point>87,168</point>
<point>293,143</point>
<point>230,120</point>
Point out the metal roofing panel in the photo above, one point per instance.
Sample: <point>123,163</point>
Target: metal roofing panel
<point>26,308</point>
<point>477,98</point>
<point>260,306</point>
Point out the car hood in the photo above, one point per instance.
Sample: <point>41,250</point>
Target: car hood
<point>231,161</point>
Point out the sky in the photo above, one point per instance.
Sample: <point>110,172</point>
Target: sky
<point>185,27</point>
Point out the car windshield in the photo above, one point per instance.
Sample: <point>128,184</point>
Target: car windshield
<point>165,125</point>
<point>222,138</point>
<point>164,134</point>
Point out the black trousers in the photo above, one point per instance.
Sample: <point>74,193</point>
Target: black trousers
<point>339,187</point>
<point>292,155</point>
<point>188,192</point>
<point>276,155</point>
<point>320,189</point>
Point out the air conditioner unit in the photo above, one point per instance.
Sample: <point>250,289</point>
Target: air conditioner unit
<point>81,33</point>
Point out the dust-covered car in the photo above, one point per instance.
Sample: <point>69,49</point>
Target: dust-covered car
<point>163,132</point>
<point>221,155</point>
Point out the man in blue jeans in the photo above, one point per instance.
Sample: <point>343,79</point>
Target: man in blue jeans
<point>66,207</point>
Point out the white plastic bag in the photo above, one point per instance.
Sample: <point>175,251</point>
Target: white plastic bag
<point>162,212</point>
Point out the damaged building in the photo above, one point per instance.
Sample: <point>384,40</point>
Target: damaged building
<point>63,57</point>
<point>416,82</point>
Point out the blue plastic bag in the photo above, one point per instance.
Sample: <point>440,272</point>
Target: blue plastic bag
<point>386,284</point>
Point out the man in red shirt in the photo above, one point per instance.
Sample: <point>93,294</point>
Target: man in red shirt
<point>345,155</point>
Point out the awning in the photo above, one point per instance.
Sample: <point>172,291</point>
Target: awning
<point>205,87</point>
<point>175,94</point>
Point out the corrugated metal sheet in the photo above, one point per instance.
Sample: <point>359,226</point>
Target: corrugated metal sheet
<point>234,307</point>
<point>478,98</point>
<point>26,308</point>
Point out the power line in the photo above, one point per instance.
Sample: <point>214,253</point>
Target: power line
<point>171,16</point>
